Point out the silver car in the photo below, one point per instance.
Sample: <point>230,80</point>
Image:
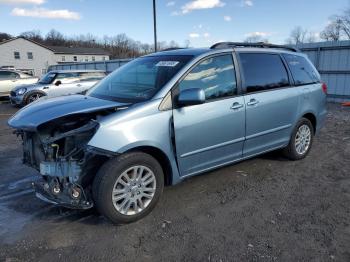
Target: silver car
<point>168,116</point>
<point>56,83</point>
<point>11,78</point>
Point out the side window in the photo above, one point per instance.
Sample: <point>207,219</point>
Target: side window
<point>263,71</point>
<point>8,75</point>
<point>13,75</point>
<point>3,75</point>
<point>302,70</point>
<point>67,78</point>
<point>215,75</point>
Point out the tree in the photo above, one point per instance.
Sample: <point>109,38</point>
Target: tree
<point>5,36</point>
<point>255,39</point>
<point>297,36</point>
<point>333,30</point>
<point>34,35</point>
<point>54,38</point>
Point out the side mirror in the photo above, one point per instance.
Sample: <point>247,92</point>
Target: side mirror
<point>58,82</point>
<point>192,96</point>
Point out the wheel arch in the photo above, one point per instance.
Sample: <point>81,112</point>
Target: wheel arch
<point>161,157</point>
<point>32,92</point>
<point>312,118</point>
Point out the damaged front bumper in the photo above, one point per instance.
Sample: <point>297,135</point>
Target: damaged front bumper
<point>67,197</point>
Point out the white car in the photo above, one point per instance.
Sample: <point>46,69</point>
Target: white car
<point>56,83</point>
<point>10,79</point>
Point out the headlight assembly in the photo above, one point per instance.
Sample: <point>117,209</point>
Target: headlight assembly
<point>21,91</point>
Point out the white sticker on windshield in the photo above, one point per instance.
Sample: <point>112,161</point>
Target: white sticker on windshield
<point>167,63</point>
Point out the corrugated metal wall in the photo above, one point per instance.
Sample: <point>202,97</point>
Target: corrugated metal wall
<point>332,60</point>
<point>107,66</point>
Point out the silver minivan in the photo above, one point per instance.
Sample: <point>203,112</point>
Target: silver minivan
<point>167,116</point>
<point>56,83</point>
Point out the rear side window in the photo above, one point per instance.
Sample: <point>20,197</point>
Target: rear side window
<point>263,72</point>
<point>302,70</point>
<point>215,75</point>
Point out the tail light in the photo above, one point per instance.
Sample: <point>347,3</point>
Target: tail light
<point>324,88</point>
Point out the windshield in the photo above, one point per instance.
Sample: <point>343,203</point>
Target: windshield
<point>139,79</point>
<point>47,79</point>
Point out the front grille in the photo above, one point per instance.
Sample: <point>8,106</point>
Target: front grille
<point>13,93</point>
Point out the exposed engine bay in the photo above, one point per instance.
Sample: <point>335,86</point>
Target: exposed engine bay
<point>58,150</point>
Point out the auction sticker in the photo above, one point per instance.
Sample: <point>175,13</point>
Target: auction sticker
<point>167,63</point>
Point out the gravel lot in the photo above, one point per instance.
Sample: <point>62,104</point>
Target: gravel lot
<point>264,209</point>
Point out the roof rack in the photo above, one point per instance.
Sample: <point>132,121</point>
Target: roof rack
<point>258,44</point>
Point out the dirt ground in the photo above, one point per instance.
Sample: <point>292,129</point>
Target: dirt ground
<point>263,209</point>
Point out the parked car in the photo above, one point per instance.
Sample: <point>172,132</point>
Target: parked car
<point>167,116</point>
<point>11,78</point>
<point>56,83</point>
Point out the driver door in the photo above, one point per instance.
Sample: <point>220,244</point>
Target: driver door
<point>211,134</point>
<point>65,84</point>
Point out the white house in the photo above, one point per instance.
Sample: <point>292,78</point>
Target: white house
<point>28,55</point>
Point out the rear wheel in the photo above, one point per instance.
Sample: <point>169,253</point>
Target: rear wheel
<point>128,187</point>
<point>301,140</point>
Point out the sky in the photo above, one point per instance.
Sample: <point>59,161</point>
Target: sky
<point>202,22</point>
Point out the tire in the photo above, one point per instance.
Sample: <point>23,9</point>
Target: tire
<point>31,97</point>
<point>292,151</point>
<point>109,179</point>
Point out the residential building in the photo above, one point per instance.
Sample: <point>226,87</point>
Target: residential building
<point>30,56</point>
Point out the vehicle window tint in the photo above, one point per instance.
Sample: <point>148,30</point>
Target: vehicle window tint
<point>263,71</point>
<point>216,76</point>
<point>91,76</point>
<point>8,75</point>
<point>302,70</point>
<point>67,78</point>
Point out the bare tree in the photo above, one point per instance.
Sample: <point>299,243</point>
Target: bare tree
<point>5,36</point>
<point>333,31</point>
<point>54,38</point>
<point>34,35</point>
<point>255,39</point>
<point>297,36</point>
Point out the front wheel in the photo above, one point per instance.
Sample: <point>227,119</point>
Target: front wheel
<point>301,140</point>
<point>128,187</point>
<point>33,97</point>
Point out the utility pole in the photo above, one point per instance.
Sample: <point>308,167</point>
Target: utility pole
<point>155,25</point>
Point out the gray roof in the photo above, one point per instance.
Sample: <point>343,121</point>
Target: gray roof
<point>78,50</point>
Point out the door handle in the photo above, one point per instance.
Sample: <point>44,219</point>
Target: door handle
<point>252,102</point>
<point>79,85</point>
<point>236,106</point>
<point>45,87</point>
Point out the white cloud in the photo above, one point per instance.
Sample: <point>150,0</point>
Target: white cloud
<point>201,4</point>
<point>15,2</point>
<point>227,18</point>
<point>248,3</point>
<point>171,3</point>
<point>46,13</point>
<point>194,35</point>
<point>262,34</point>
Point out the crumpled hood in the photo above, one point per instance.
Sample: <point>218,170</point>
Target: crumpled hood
<point>44,110</point>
